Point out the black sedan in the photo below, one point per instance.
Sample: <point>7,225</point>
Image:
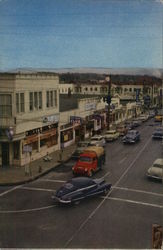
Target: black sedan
<point>79,188</point>
<point>132,136</point>
<point>158,134</point>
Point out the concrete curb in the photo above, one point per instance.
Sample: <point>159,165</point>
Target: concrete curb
<point>32,178</point>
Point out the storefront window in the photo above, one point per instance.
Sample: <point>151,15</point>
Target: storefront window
<point>66,136</point>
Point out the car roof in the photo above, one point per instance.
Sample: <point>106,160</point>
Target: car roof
<point>111,131</point>
<point>82,181</point>
<point>158,161</point>
<point>132,131</point>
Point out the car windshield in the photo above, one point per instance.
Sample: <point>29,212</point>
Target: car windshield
<point>157,165</point>
<point>131,133</point>
<point>95,139</point>
<point>69,186</point>
<point>110,132</point>
<point>85,159</point>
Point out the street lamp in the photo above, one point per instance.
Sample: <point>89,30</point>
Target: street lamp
<point>108,80</point>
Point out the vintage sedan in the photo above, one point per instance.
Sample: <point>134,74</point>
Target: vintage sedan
<point>80,148</point>
<point>111,135</point>
<point>132,136</point>
<point>158,133</point>
<point>79,188</point>
<point>98,140</point>
<point>156,170</point>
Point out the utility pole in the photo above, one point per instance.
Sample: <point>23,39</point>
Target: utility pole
<point>108,80</point>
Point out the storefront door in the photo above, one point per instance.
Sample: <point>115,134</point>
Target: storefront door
<point>5,154</point>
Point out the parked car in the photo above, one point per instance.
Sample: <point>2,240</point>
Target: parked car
<point>158,133</point>
<point>121,129</point>
<point>80,188</point>
<point>80,148</point>
<point>98,140</point>
<point>111,135</point>
<point>90,161</point>
<point>132,136</point>
<point>156,170</point>
<point>143,117</point>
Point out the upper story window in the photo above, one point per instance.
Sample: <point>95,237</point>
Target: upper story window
<point>20,107</point>
<point>35,100</point>
<point>5,105</point>
<point>95,89</point>
<point>51,98</point>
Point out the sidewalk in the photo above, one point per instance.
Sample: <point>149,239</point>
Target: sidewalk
<point>18,175</point>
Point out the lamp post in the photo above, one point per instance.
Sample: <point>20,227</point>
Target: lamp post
<point>108,80</point>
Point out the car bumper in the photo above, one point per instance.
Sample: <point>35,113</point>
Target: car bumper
<point>130,142</point>
<point>81,171</point>
<point>154,177</point>
<point>59,200</point>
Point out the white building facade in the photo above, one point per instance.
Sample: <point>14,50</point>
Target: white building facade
<point>29,116</point>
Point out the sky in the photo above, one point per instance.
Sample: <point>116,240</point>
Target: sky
<point>81,33</point>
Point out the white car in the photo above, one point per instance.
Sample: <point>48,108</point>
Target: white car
<point>111,135</point>
<point>156,170</point>
<point>98,140</point>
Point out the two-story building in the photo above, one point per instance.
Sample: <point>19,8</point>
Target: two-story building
<point>29,116</point>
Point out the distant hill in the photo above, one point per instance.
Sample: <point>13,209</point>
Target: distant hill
<point>115,71</point>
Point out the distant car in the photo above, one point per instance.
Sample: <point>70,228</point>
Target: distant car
<point>121,129</point>
<point>143,117</point>
<point>132,136</point>
<point>98,140</point>
<point>151,114</point>
<point>81,145</point>
<point>111,135</point>
<point>79,188</point>
<point>156,170</point>
<point>158,133</point>
<point>136,122</point>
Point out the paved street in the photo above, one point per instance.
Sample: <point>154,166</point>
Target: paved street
<point>122,219</point>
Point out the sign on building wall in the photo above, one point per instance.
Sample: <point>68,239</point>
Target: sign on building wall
<point>75,120</point>
<point>27,149</point>
<point>90,106</point>
<point>51,118</point>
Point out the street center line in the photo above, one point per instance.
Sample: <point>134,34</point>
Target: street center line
<point>108,173</point>
<point>38,189</point>
<point>59,181</point>
<point>121,161</point>
<point>134,202</point>
<point>26,210</point>
<point>138,191</point>
<point>10,190</point>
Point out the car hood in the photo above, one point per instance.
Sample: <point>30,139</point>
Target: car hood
<point>63,191</point>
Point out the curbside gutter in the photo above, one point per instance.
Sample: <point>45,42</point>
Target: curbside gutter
<point>35,177</point>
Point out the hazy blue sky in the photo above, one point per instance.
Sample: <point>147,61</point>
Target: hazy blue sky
<point>81,33</point>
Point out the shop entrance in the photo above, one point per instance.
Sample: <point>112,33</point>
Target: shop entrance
<point>5,154</point>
